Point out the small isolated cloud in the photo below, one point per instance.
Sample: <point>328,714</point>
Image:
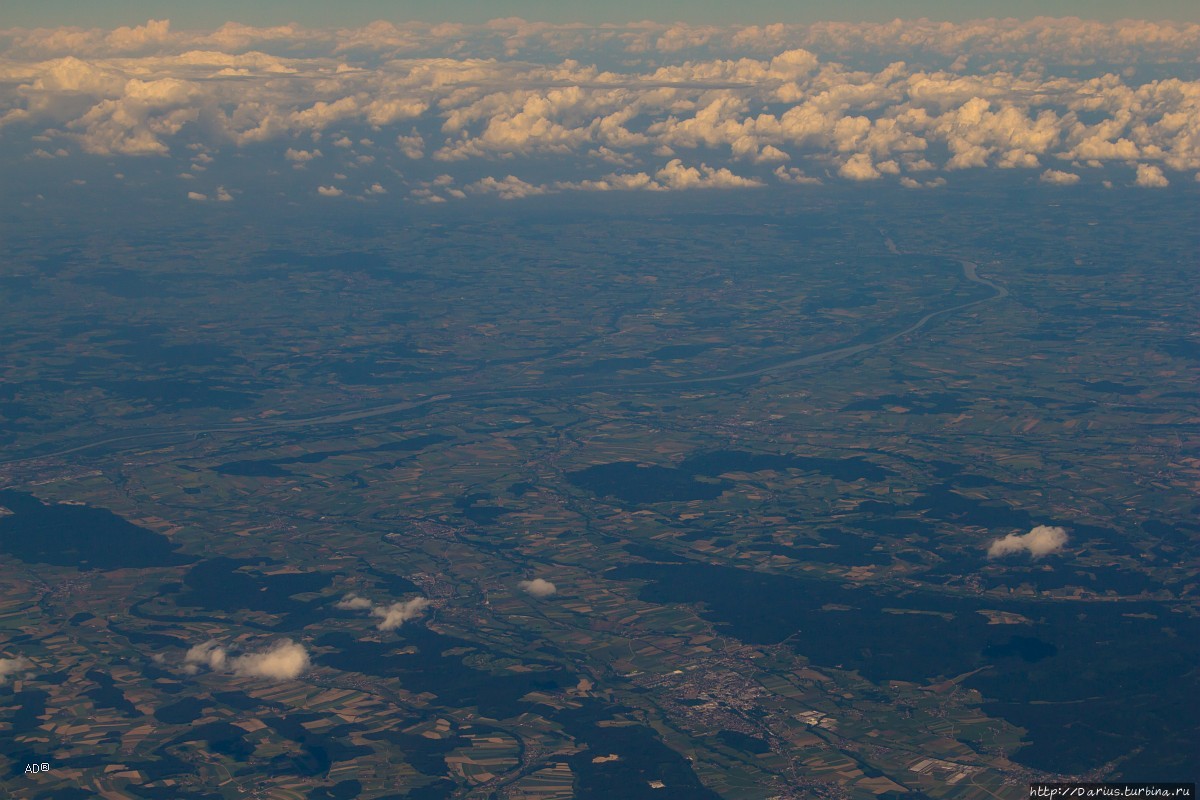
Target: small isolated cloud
<point>283,661</point>
<point>209,654</point>
<point>329,191</point>
<point>197,196</point>
<point>538,587</point>
<point>301,156</point>
<point>223,195</point>
<point>1059,178</point>
<point>1041,541</point>
<point>353,602</point>
<point>412,146</point>
<point>910,183</point>
<point>508,188</point>
<point>11,666</point>
<point>395,615</point>
<point>795,175</point>
<point>376,188</point>
<point>1151,177</point>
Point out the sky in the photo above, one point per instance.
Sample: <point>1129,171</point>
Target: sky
<point>112,13</point>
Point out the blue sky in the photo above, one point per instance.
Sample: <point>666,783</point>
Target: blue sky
<point>111,13</point>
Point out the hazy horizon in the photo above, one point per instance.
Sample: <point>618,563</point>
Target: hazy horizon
<point>361,12</point>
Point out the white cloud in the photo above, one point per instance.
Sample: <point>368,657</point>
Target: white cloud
<point>329,191</point>
<point>412,146</point>
<point>223,195</point>
<point>795,175</point>
<point>538,587</point>
<point>615,182</point>
<point>210,655</point>
<point>284,660</point>
<point>770,153</point>
<point>508,188</point>
<point>738,101</point>
<point>11,666</point>
<point>912,183</point>
<point>155,32</point>
<point>396,614</point>
<point>677,176</point>
<point>353,602</point>
<point>1040,541</point>
<point>1151,177</point>
<point>859,168</point>
<point>301,156</point>
<point>197,196</point>
<point>1059,178</point>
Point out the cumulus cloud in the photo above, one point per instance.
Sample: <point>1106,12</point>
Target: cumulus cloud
<point>674,176</point>
<point>209,654</point>
<point>913,183</point>
<point>615,182</point>
<point>412,146</point>
<point>394,615</point>
<point>795,175</point>
<point>859,168</point>
<point>153,33</point>
<point>677,176</point>
<point>301,156</point>
<point>508,188</point>
<point>11,666</point>
<point>1059,178</point>
<point>1151,177</point>
<point>283,660</point>
<point>725,105</point>
<point>1040,541</point>
<point>538,587</point>
<point>329,191</point>
<point>353,602</point>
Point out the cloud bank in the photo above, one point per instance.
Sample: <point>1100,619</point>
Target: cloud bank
<point>1041,541</point>
<point>639,107</point>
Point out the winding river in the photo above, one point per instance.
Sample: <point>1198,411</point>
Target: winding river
<point>969,271</point>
